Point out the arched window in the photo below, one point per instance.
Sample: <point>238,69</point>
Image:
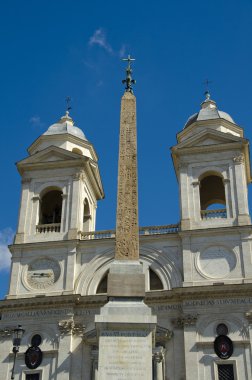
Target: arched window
<point>212,197</point>
<point>86,216</point>
<point>51,207</point>
<point>103,285</point>
<point>155,282</point>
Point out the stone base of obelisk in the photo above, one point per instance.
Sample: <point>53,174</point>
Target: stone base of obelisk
<point>125,328</point>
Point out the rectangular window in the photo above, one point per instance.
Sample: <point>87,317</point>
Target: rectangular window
<point>226,372</point>
<point>32,376</point>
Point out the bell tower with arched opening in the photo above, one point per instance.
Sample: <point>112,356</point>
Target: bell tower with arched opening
<point>61,185</point>
<point>212,165</point>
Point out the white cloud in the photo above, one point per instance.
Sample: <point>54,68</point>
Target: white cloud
<point>122,51</point>
<point>99,38</point>
<point>36,121</point>
<point>6,237</point>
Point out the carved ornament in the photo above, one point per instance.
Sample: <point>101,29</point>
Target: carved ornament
<point>186,320</point>
<point>79,176</point>
<point>7,331</point>
<point>238,158</point>
<point>158,354</point>
<point>70,327</point>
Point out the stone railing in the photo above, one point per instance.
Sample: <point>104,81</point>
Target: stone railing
<point>45,228</point>
<point>213,214</point>
<point>109,234</point>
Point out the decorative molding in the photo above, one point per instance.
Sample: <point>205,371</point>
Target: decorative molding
<point>195,183</point>
<point>163,335</point>
<point>70,327</point>
<point>182,165</point>
<point>36,198</point>
<point>186,320</point>
<point>79,176</point>
<point>226,180</point>
<point>6,332</point>
<point>25,180</point>
<point>158,354</point>
<point>248,316</point>
<point>238,158</point>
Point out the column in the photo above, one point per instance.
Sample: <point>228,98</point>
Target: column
<point>184,191</point>
<point>63,216</point>
<point>75,205</point>
<point>158,363</point>
<point>94,364</point>
<point>241,190</point>
<point>23,211</point>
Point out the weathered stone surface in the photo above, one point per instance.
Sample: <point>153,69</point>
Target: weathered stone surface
<point>127,240</point>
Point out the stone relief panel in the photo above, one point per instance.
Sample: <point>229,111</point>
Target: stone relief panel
<point>215,262</point>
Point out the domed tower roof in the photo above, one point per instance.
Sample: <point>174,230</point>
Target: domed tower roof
<point>65,125</point>
<point>208,111</point>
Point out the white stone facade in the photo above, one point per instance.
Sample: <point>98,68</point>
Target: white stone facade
<point>198,274</point>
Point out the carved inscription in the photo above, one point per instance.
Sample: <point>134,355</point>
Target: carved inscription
<point>125,355</point>
<point>127,240</point>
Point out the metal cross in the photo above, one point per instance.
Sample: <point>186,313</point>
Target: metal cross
<point>129,81</point>
<point>206,83</point>
<point>68,103</point>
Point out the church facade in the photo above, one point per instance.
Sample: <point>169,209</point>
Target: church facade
<point>198,273</point>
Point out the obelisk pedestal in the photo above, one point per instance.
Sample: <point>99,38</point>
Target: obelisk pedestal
<point>126,326</point>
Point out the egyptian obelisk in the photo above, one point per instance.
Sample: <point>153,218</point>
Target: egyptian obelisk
<point>125,325</point>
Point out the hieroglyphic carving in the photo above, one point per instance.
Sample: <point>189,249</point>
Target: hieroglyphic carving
<point>127,240</point>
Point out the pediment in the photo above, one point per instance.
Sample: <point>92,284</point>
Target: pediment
<point>208,137</point>
<point>50,154</point>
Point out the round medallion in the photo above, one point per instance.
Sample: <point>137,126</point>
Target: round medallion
<point>33,357</point>
<point>42,273</point>
<point>216,262</point>
<point>223,346</point>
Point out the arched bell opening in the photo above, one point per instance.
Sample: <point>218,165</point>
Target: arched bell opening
<point>212,196</point>
<point>86,216</point>
<point>50,211</point>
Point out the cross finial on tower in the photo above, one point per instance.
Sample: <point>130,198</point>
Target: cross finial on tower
<point>68,103</point>
<point>207,93</point>
<point>129,81</point>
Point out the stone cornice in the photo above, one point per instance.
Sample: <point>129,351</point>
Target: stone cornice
<point>175,295</point>
<point>211,148</point>
<point>199,292</point>
<point>208,123</point>
<point>74,301</point>
<point>63,137</point>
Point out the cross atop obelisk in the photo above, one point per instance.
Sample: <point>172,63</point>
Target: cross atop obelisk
<point>127,240</point>
<point>126,278</point>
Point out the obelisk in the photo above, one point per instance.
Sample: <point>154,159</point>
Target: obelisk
<point>125,325</point>
<point>126,276</point>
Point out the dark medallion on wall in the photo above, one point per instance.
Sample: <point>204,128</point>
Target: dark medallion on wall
<point>223,346</point>
<point>33,357</point>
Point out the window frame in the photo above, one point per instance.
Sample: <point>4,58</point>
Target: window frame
<point>32,372</point>
<point>228,361</point>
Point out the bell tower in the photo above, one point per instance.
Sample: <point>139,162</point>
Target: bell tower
<point>61,185</point>
<point>212,165</point>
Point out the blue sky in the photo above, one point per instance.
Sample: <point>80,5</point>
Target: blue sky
<point>58,48</point>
